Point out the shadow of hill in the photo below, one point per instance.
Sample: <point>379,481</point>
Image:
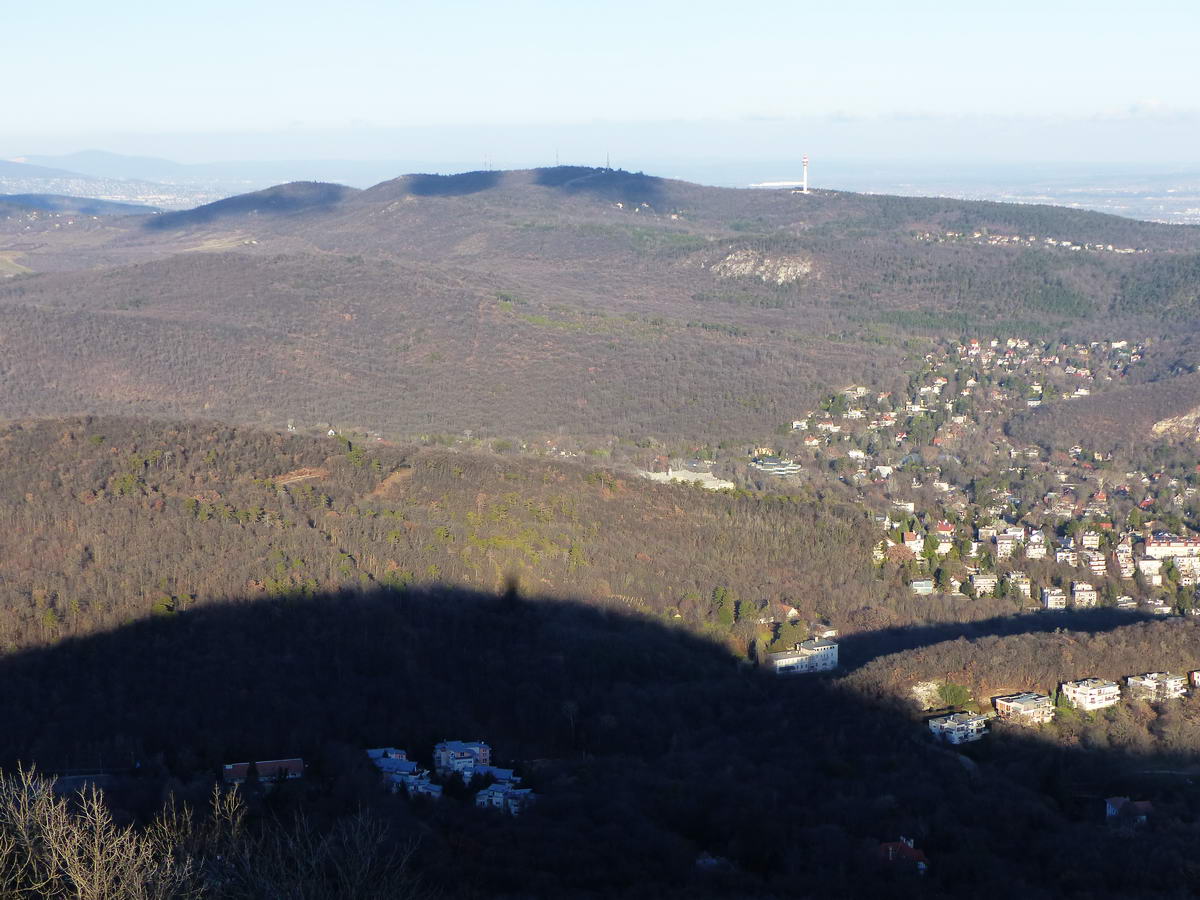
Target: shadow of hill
<point>452,185</point>
<point>274,201</point>
<point>651,745</point>
<point>609,184</point>
<point>856,650</point>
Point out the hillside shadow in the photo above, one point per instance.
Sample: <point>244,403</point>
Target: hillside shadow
<point>648,744</point>
<point>609,184</point>
<point>281,200</point>
<point>856,650</point>
<point>452,185</point>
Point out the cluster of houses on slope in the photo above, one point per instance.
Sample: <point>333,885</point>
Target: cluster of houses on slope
<point>1079,550</point>
<point>467,760</point>
<point>1030,708</point>
<point>988,239</point>
<point>961,386</point>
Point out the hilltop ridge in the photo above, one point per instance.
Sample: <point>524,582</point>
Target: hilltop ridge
<point>596,300</point>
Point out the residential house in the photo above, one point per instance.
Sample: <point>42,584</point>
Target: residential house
<point>1151,571</point>
<point>914,542</point>
<point>1083,595</point>
<point>1123,811</point>
<point>1066,555</point>
<point>1169,546</point>
<point>1006,545</point>
<point>267,770</point>
<point>1054,598</point>
<point>903,853</point>
<point>1094,561</point>
<point>1090,540</point>
<point>1019,582</point>
<point>399,771</point>
<point>424,788</point>
<point>1026,708</point>
<point>1091,693</point>
<point>775,465</point>
<point>819,655</point>
<point>1035,548</point>
<point>1157,686</point>
<point>983,584</point>
<point>922,586</point>
<point>461,757</point>
<point>504,796</point>
<point>959,728</point>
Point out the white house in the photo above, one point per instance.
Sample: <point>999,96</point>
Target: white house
<point>819,655</point>
<point>504,796</point>
<point>1157,686</point>
<point>959,728</point>
<point>1091,693</point>
<point>983,584</point>
<point>1083,595</point>
<point>461,757</point>
<point>1027,708</point>
<point>1168,546</point>
<point>1054,598</point>
<point>1019,582</point>
<point>1151,570</point>
<point>914,542</point>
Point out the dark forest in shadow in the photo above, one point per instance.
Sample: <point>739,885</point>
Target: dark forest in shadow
<point>648,745</point>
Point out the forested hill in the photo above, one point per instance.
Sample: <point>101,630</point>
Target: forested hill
<point>605,302</point>
<point>112,519</point>
<point>177,596</point>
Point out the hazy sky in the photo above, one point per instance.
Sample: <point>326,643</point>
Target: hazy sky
<point>78,73</point>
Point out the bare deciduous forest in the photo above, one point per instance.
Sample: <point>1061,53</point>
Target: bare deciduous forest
<point>181,587</point>
<point>597,301</point>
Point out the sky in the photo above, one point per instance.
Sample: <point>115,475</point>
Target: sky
<point>358,78</point>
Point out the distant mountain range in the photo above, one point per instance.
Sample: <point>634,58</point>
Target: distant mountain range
<point>598,301</point>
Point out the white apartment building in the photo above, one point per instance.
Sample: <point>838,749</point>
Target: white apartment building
<point>1083,595</point>
<point>959,728</point>
<point>1091,693</point>
<point>1026,708</point>
<point>808,656</point>
<point>1157,686</point>
<point>1054,598</point>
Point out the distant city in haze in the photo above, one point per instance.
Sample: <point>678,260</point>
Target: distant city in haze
<point>1156,192</point>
